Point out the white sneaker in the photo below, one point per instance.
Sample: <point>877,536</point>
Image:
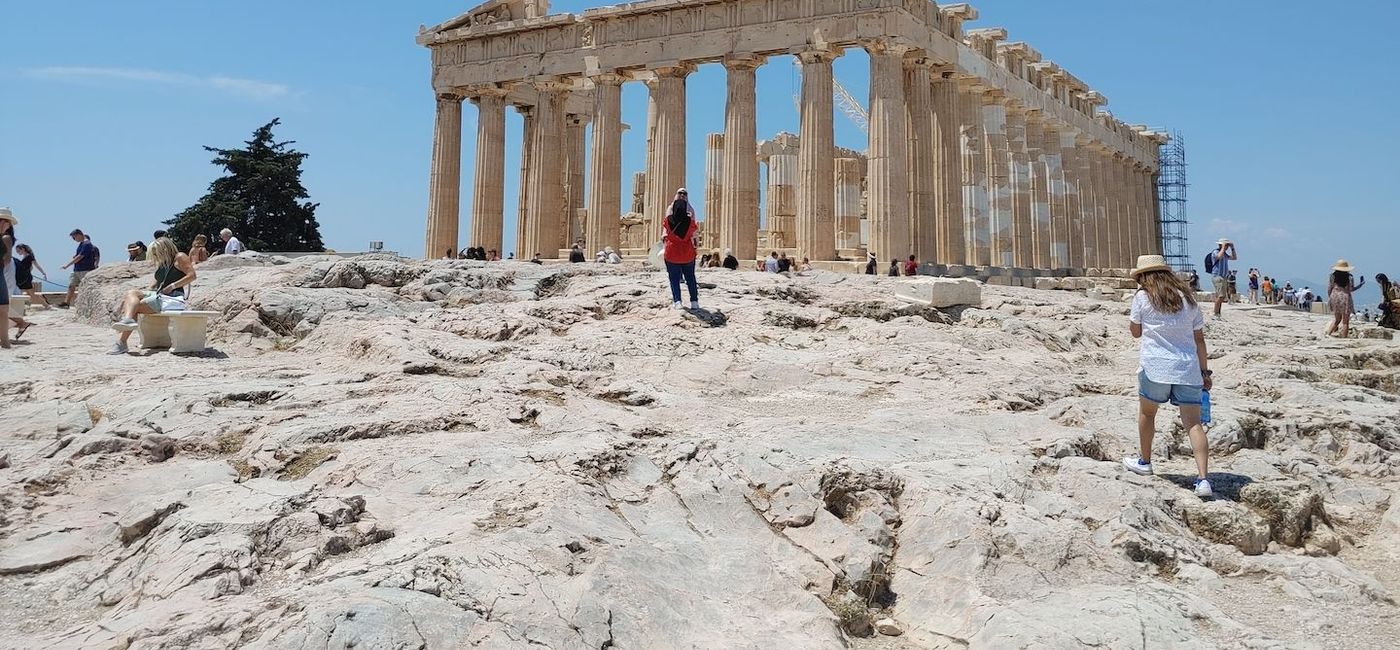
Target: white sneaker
<point>1136,465</point>
<point>676,305</point>
<point>124,325</point>
<point>695,305</point>
<point>117,348</point>
<point>1203,489</point>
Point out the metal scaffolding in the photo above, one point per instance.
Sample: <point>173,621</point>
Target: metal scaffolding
<point>1171,203</point>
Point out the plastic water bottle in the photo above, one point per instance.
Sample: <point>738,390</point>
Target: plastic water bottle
<point>1205,407</point>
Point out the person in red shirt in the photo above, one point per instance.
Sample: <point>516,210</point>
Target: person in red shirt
<point>678,242</point>
<point>912,266</point>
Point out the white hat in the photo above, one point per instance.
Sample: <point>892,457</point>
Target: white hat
<point>1343,266</point>
<point>1222,241</point>
<point>6,215</point>
<point>1147,263</point>
<point>682,191</point>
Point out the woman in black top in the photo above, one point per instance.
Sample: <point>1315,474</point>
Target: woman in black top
<point>730,262</point>
<point>24,275</point>
<point>174,272</point>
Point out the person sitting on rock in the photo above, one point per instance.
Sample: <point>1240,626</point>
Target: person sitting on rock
<point>806,265</point>
<point>1172,361</point>
<point>771,264</point>
<point>730,262</point>
<point>174,272</point>
<point>575,255</point>
<point>894,268</point>
<point>911,267</point>
<point>784,263</point>
<point>870,264</point>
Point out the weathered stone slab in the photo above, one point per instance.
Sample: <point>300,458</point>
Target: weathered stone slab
<point>939,292</point>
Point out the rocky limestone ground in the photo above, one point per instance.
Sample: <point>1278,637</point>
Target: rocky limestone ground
<point>377,453</point>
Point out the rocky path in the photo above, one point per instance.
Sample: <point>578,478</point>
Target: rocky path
<point>384,454</point>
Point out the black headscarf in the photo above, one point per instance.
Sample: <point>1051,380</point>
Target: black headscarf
<point>679,220</point>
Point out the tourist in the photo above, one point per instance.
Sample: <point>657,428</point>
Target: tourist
<point>806,265</point>
<point>1390,302</point>
<point>174,272</point>
<point>493,255</point>
<point>8,221</point>
<point>1172,362</point>
<point>536,259</point>
<point>157,235</point>
<point>911,267</point>
<point>1306,298</point>
<point>4,297</point>
<point>575,255</point>
<point>1220,271</point>
<point>136,251</point>
<point>716,260</point>
<point>678,249</point>
<point>1267,288</point>
<point>231,244</point>
<point>1339,289</point>
<point>601,257</point>
<point>894,268</point>
<point>199,250</point>
<point>83,262</point>
<point>510,256</point>
<point>1195,280</point>
<point>870,264</point>
<point>784,263</point>
<point>771,263</point>
<point>730,262</point>
<point>1254,286</point>
<point>1234,287</point>
<point>704,261</point>
<point>1290,296</point>
<point>24,275</point>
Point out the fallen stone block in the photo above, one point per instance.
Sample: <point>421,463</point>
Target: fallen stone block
<point>939,292</point>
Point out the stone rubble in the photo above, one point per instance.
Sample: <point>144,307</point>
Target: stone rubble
<point>383,453</point>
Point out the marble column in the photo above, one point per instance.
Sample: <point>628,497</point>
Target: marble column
<point>1084,235</point>
<point>889,170</point>
<point>976,227</point>
<point>1065,210</point>
<point>488,183</point>
<point>445,178</point>
<point>1118,209</point>
<point>1039,152</point>
<point>666,173</point>
<point>545,200</point>
<point>1107,235</point>
<point>947,162</point>
<point>782,200</point>
<point>847,197</point>
<point>714,190</point>
<point>998,162</point>
<point>1154,212</point>
<point>527,115</point>
<point>739,203</point>
<point>605,166</point>
<point>1020,181</point>
<point>816,165</point>
<point>576,148</point>
<point>918,115</point>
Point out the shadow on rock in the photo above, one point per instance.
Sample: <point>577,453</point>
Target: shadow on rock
<point>1227,486</point>
<point>707,318</point>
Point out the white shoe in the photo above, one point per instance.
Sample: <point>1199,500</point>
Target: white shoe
<point>124,325</point>
<point>1136,465</point>
<point>695,305</point>
<point>676,305</point>
<point>117,348</point>
<point>1203,489</point>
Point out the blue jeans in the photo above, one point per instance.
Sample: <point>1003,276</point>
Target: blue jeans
<point>674,272</point>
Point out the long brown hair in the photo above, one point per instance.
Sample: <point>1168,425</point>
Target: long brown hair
<point>1167,292</point>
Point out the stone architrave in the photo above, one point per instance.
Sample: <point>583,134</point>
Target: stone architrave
<point>998,162</point>
<point>445,181</point>
<point>605,182</point>
<point>1040,154</point>
<point>714,189</point>
<point>889,171</point>
<point>666,172</point>
<point>1020,174</point>
<point>488,189</point>
<point>816,171</point>
<point>849,174</point>
<point>947,162</point>
<point>977,231</point>
<point>918,103</point>
<point>545,200</point>
<point>739,202</point>
<point>527,114</point>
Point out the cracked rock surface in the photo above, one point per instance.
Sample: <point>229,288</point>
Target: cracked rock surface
<point>381,453</point>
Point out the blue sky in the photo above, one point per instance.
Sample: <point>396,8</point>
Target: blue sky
<point>1288,110</point>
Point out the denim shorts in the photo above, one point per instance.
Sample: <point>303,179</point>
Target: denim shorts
<point>1177,394</point>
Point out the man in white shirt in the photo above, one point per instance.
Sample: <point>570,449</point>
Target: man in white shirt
<point>231,244</point>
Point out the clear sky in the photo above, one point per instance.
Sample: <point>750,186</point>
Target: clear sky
<point>1289,112</point>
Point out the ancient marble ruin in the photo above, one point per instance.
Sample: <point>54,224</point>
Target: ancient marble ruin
<point>981,152</point>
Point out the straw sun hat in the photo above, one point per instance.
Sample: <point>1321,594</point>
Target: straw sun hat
<point>1147,263</point>
<point>6,215</point>
<point>1343,266</point>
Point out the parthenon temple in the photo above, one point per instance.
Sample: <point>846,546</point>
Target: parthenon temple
<point>981,152</point>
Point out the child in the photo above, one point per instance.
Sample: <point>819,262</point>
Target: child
<point>1172,361</point>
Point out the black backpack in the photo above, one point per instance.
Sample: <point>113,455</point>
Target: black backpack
<point>1210,262</point>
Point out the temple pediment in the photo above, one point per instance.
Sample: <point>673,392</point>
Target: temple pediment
<point>493,12</point>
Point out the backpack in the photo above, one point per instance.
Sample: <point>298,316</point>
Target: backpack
<point>96,256</point>
<point>1210,262</point>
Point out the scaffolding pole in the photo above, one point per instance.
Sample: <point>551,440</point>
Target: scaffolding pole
<point>1171,203</point>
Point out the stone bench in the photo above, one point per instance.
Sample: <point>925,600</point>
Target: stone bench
<point>181,331</point>
<point>19,305</point>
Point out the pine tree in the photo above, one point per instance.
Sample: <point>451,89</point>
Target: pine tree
<point>260,198</point>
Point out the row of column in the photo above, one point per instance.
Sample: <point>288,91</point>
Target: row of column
<point>956,173</point>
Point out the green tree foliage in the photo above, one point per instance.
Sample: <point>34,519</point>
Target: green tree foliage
<point>260,198</point>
